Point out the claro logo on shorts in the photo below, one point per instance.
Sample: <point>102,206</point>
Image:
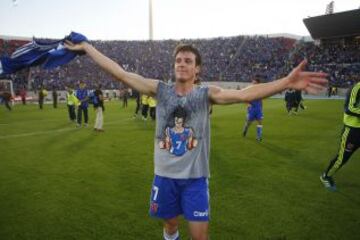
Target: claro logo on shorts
<point>201,214</point>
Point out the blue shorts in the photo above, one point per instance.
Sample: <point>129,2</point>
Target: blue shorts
<point>173,197</point>
<point>254,115</point>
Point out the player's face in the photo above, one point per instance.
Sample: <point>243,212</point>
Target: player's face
<point>179,122</point>
<point>185,66</point>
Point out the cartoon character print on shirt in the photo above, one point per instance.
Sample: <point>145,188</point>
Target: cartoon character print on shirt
<point>178,139</point>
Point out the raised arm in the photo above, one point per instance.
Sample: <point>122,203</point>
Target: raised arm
<point>135,81</point>
<point>311,82</point>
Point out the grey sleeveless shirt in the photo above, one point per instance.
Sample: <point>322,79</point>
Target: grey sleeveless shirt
<point>187,154</point>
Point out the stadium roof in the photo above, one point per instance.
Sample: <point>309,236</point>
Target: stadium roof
<point>6,37</point>
<point>337,25</point>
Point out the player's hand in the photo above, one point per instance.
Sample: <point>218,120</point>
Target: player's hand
<point>75,47</point>
<point>311,82</point>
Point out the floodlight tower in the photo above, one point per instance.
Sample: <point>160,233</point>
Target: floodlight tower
<point>150,21</point>
<point>330,8</point>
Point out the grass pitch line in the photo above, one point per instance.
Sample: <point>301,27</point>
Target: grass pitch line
<point>55,131</point>
<point>36,133</point>
<point>31,121</point>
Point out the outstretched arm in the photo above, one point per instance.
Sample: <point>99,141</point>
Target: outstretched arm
<point>135,81</point>
<point>311,82</point>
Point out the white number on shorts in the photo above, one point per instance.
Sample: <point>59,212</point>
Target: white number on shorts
<point>156,191</point>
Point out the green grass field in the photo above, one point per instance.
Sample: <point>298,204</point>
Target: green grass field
<point>59,182</point>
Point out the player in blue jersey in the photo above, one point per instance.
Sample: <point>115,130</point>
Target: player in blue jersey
<point>254,113</point>
<point>83,96</point>
<point>180,185</point>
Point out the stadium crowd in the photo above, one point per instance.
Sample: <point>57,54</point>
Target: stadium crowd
<point>224,59</point>
<point>341,61</point>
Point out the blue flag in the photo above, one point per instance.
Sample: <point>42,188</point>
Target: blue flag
<point>49,54</point>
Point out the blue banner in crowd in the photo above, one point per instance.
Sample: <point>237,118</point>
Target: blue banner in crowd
<point>49,54</point>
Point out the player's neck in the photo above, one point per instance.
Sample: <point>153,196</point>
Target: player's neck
<point>179,129</point>
<point>183,87</point>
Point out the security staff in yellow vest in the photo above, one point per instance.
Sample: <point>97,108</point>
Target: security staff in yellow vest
<point>152,106</point>
<point>350,140</point>
<point>72,102</point>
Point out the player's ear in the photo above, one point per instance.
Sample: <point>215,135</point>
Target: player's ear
<point>197,70</point>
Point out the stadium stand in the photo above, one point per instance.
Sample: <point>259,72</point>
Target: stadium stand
<point>230,59</point>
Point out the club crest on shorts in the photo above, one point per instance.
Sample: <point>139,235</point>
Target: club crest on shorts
<point>154,207</point>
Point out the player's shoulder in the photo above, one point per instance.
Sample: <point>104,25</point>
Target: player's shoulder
<point>213,90</point>
<point>170,130</point>
<point>187,130</point>
<point>356,86</point>
<point>163,90</point>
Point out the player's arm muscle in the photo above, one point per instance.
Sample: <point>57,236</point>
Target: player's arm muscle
<point>218,95</point>
<point>135,81</point>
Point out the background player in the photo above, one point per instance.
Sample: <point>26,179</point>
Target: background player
<point>83,95</point>
<point>299,101</point>
<point>254,113</point>
<point>350,140</point>
<point>290,100</point>
<point>98,102</point>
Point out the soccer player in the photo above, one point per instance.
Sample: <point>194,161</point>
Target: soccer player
<point>180,184</point>
<point>299,101</point>
<point>254,113</point>
<point>290,100</point>
<point>83,96</point>
<point>99,108</point>
<point>350,140</point>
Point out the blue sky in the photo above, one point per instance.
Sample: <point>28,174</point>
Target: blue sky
<point>175,19</point>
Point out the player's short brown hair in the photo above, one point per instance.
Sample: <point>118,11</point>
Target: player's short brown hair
<point>189,48</point>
